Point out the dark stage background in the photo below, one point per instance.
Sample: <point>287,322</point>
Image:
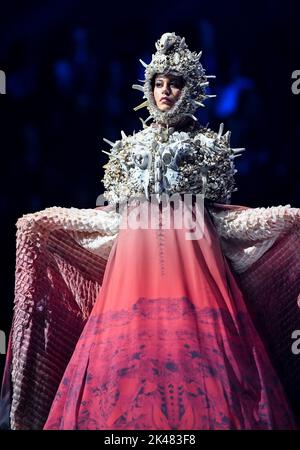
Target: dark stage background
<point>69,68</point>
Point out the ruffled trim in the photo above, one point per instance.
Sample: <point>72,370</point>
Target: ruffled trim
<point>255,223</point>
<point>247,233</point>
<point>72,219</point>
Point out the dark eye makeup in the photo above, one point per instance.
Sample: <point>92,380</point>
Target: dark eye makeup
<point>175,83</point>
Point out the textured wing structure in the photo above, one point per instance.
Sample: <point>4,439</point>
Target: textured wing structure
<point>263,247</point>
<point>61,259</point>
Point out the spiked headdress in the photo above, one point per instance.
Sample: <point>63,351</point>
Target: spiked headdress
<point>174,57</point>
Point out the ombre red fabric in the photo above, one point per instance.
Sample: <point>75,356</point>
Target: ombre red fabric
<point>169,344</point>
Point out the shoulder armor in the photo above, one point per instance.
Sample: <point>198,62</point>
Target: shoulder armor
<point>155,161</point>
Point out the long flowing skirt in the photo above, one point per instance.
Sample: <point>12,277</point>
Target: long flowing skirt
<point>169,343</point>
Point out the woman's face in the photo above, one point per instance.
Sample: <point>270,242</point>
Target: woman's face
<point>167,89</point>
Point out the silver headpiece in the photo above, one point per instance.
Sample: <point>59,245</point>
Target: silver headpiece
<point>174,57</point>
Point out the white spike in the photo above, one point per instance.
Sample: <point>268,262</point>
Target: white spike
<point>138,87</point>
<point>221,129</point>
<point>143,63</point>
<point>199,55</point>
<point>142,105</point>
<point>205,83</point>
<point>109,142</point>
<point>192,117</point>
<point>112,156</point>
<point>210,76</point>
<point>199,103</point>
<point>211,96</point>
<point>182,42</point>
<point>109,154</point>
<point>142,81</point>
<point>237,150</point>
<point>234,156</point>
<point>143,122</point>
<point>123,135</point>
<point>226,136</point>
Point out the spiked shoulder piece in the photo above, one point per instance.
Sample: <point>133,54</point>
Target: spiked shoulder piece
<point>161,160</point>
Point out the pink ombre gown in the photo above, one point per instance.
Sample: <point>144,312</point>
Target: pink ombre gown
<point>169,344</point>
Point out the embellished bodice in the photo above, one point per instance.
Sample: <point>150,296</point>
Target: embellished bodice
<point>159,160</point>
